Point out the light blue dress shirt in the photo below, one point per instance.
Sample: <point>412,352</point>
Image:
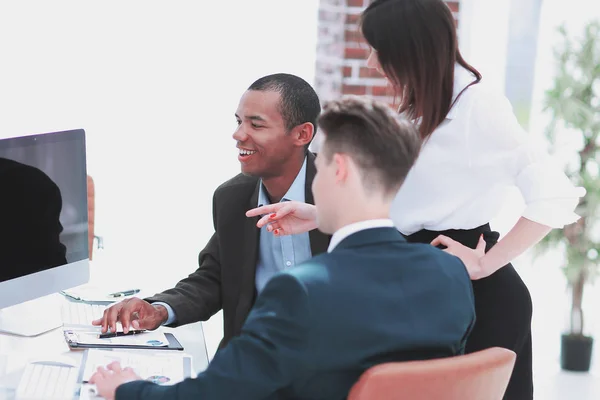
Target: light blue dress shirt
<point>275,253</point>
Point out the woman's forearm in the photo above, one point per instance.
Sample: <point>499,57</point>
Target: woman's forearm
<point>524,235</point>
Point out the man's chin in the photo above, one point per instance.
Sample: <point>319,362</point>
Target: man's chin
<point>250,173</point>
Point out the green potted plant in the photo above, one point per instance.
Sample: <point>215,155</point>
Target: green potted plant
<point>574,105</point>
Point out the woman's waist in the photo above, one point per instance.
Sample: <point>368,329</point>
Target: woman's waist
<point>410,220</point>
<point>468,237</point>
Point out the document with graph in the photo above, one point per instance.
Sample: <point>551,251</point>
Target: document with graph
<point>162,368</point>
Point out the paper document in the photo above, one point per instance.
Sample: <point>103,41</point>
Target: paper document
<point>148,338</point>
<point>162,369</point>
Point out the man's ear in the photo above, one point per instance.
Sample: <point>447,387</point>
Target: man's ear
<point>341,167</point>
<point>303,134</point>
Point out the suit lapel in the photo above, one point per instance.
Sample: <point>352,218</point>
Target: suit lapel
<point>318,241</point>
<point>250,240</point>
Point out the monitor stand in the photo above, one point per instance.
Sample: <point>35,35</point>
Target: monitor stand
<point>33,317</point>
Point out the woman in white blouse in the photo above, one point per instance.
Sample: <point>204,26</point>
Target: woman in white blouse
<point>473,151</point>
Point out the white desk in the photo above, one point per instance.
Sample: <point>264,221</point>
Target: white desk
<point>16,351</point>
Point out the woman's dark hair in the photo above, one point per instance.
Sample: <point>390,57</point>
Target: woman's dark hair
<point>417,48</point>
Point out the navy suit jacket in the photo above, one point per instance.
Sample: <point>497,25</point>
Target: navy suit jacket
<point>316,328</point>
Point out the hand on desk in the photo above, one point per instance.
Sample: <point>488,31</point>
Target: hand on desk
<point>108,379</point>
<point>135,313</point>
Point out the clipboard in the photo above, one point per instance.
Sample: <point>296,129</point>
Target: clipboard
<point>73,343</point>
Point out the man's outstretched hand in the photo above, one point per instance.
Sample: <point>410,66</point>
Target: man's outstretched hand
<point>135,313</point>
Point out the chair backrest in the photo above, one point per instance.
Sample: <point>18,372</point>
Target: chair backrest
<point>91,200</point>
<point>482,375</point>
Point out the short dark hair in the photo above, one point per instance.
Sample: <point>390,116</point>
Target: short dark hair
<point>383,144</point>
<point>417,48</point>
<point>299,101</point>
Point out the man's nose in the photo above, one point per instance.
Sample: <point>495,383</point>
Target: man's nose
<point>239,134</point>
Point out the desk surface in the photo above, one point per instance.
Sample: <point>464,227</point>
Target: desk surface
<point>16,352</point>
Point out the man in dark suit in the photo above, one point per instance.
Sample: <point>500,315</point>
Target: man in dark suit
<point>276,120</point>
<point>373,298</point>
<point>30,206</point>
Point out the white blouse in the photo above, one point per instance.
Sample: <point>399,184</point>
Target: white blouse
<point>467,165</point>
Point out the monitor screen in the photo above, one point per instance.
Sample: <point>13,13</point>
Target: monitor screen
<point>43,207</point>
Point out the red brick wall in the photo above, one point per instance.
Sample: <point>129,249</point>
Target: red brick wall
<point>341,53</point>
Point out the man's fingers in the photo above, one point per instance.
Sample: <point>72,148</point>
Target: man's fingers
<point>97,321</point>
<point>103,320</point>
<point>94,378</point>
<point>105,317</point>
<point>125,315</point>
<point>111,315</point>
<point>135,324</point>
<point>137,314</point>
<point>114,366</point>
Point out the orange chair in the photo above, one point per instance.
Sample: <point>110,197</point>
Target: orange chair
<point>478,376</point>
<point>91,200</point>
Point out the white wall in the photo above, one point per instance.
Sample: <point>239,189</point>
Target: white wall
<point>483,36</point>
<point>155,85</point>
<point>483,40</point>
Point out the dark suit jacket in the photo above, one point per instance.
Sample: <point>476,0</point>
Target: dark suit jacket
<point>225,277</point>
<point>316,328</point>
<point>30,206</point>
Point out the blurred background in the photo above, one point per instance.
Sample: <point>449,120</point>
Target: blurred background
<point>156,85</point>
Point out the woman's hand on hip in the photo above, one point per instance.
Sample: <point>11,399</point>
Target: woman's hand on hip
<point>471,258</point>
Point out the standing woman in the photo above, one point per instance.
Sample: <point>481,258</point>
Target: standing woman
<point>473,151</point>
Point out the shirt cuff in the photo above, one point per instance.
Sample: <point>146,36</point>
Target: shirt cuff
<point>550,197</point>
<point>555,213</point>
<point>170,312</point>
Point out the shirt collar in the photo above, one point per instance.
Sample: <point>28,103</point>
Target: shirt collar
<point>295,192</point>
<point>462,78</point>
<point>348,230</point>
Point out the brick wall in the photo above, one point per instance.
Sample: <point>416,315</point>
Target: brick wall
<point>341,53</point>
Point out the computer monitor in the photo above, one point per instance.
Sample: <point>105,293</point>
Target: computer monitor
<point>43,226</point>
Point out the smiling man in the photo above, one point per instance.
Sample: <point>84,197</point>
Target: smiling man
<point>373,298</point>
<point>276,120</point>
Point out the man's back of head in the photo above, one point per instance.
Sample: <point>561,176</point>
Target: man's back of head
<point>365,156</point>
